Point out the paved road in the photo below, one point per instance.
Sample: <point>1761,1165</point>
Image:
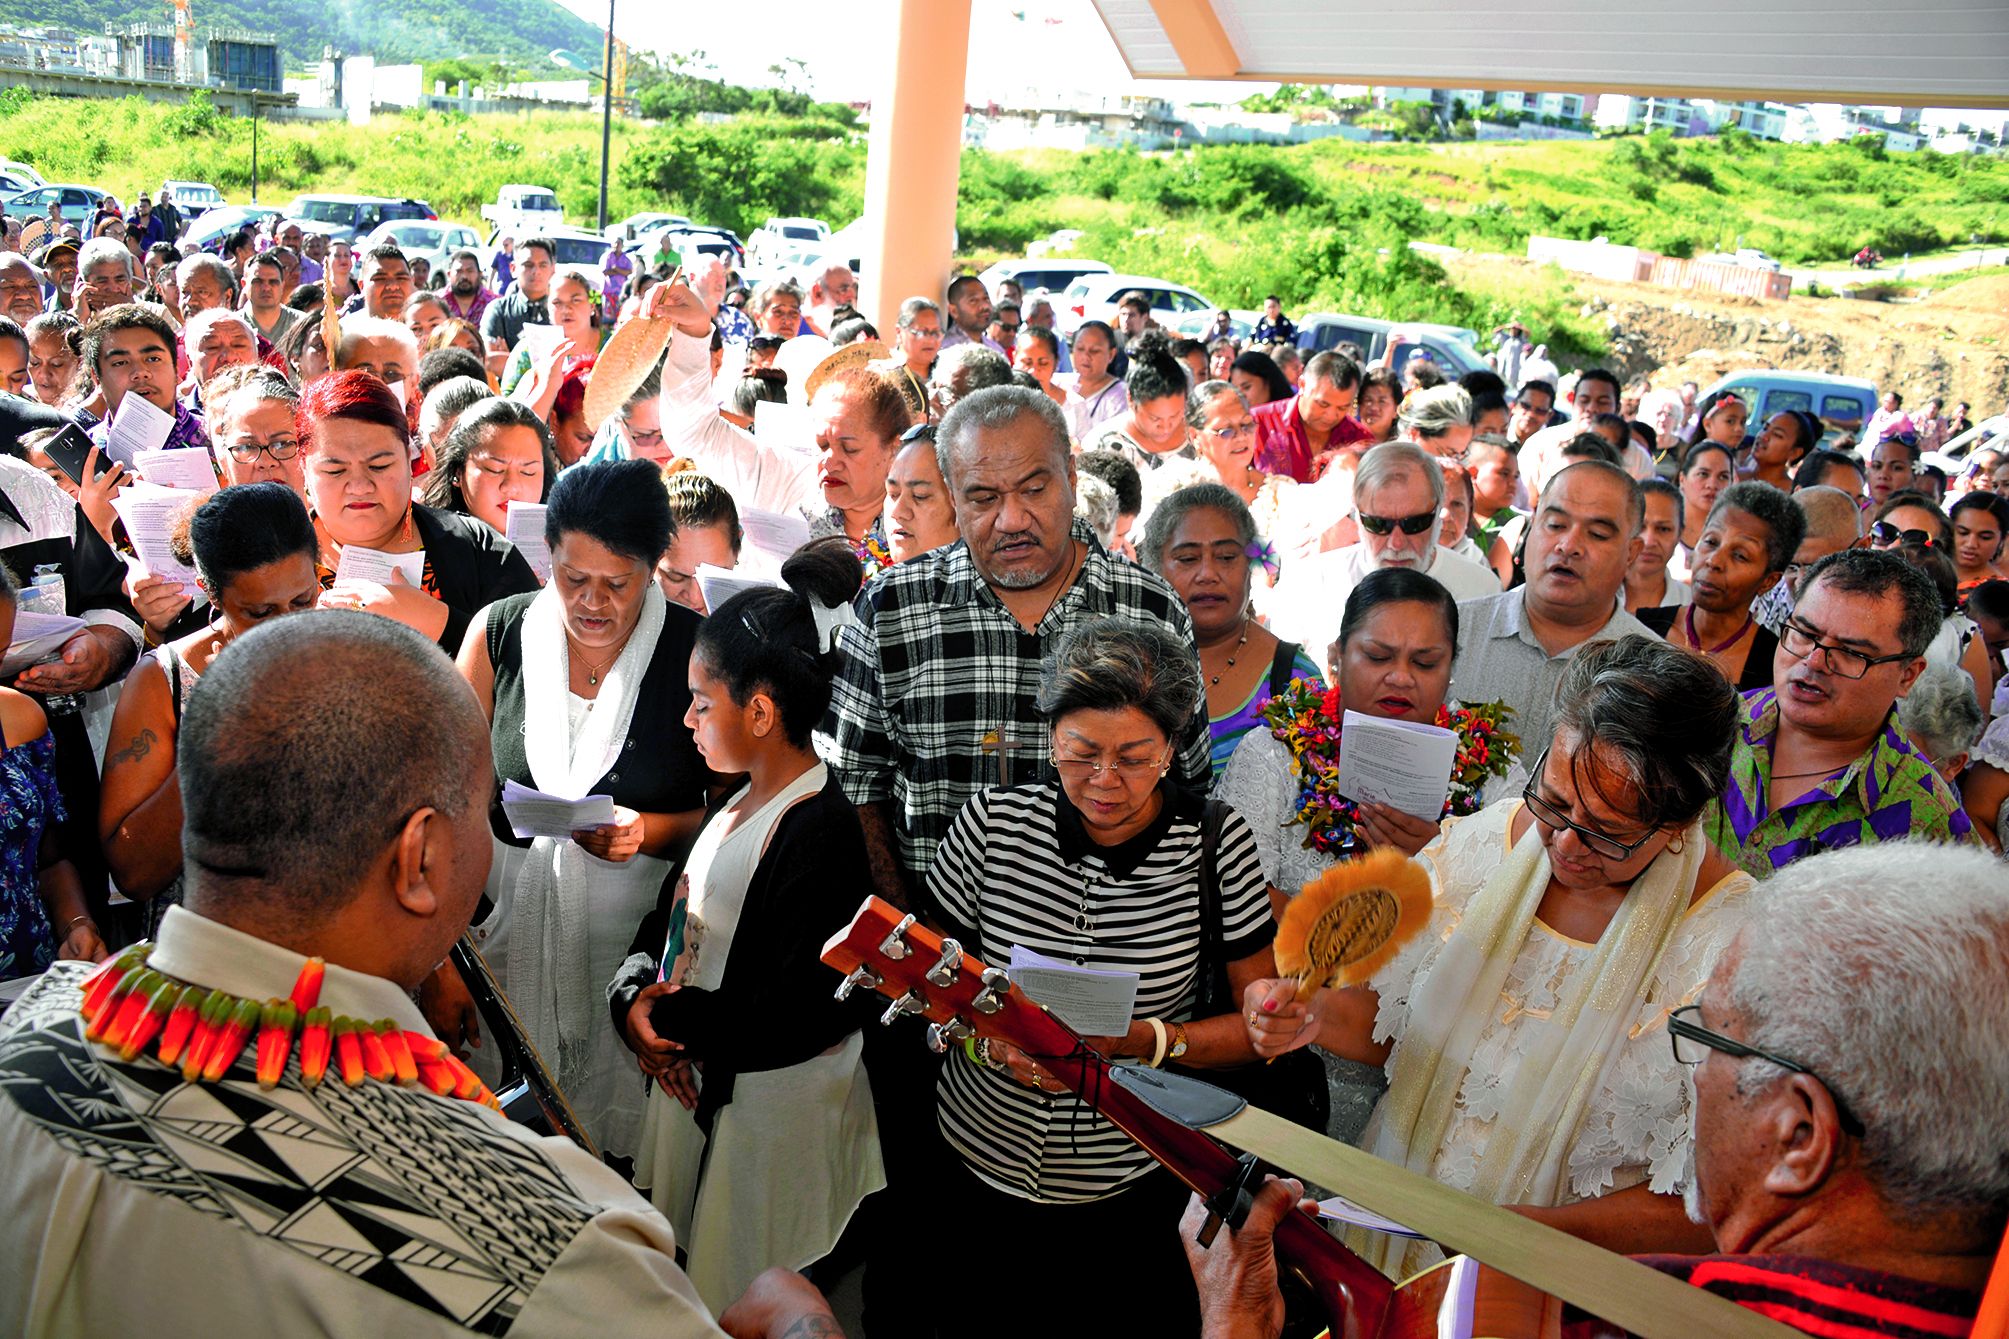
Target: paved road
<point>1894,270</point>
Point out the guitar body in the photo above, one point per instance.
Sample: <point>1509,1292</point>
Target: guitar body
<point>1463,1299</point>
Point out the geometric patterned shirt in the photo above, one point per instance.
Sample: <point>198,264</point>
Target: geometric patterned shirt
<point>137,1202</point>
<point>1888,793</point>
<point>936,697</point>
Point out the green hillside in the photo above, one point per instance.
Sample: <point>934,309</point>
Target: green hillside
<point>416,30</point>
<point>1323,225</point>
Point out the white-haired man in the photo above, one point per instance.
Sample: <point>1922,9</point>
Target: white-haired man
<point>387,349</point>
<point>1849,1067</point>
<point>1397,491</point>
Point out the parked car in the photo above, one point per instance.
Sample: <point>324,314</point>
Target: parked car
<point>523,210</point>
<point>1449,345</point>
<point>707,241</point>
<point>1241,324</point>
<point>1093,297</point>
<point>636,226</point>
<point>1055,276</point>
<point>23,171</point>
<point>209,232</point>
<point>575,246</point>
<point>1982,434</point>
<point>78,202</point>
<point>351,216</point>
<point>12,185</point>
<point>1751,258</point>
<point>1842,404</point>
<point>425,238</point>
<point>779,233</point>
<point>193,198</point>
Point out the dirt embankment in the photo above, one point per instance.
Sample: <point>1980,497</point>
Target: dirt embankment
<point>1953,343</point>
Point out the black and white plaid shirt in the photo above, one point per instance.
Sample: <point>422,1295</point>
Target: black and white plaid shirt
<point>937,698</point>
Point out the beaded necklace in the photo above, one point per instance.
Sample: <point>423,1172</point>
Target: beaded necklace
<point>128,1006</point>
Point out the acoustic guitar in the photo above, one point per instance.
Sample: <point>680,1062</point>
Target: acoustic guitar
<point>1514,1275</point>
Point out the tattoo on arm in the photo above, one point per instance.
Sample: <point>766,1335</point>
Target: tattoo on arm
<point>814,1327</point>
<point>141,745</point>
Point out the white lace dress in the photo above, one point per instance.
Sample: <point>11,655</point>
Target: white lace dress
<point>1636,1128</point>
<point>1993,750</point>
<point>1261,785</point>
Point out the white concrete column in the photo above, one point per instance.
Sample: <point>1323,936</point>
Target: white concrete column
<point>915,155</point>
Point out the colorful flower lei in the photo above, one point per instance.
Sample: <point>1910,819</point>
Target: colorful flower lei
<point>1305,718</point>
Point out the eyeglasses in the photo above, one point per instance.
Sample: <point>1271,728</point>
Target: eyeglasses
<point>1408,525</point>
<point>1691,1042</point>
<point>1247,430</point>
<point>1127,770</point>
<point>279,448</point>
<point>1600,843</point>
<point>1885,535</point>
<point>920,432</point>
<point>1801,642</point>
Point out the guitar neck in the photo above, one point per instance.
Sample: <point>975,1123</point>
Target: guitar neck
<point>1356,1296</point>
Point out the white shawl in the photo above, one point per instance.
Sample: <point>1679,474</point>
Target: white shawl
<point>550,973</point>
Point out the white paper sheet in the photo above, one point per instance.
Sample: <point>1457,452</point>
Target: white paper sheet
<point>361,564</point>
<point>719,584</point>
<point>1094,1003</point>
<point>539,339</point>
<point>523,526</point>
<point>180,467</point>
<point>1343,1210</point>
<point>784,427</point>
<point>772,533</point>
<point>139,426</point>
<point>534,813</point>
<point>1405,765</point>
<point>151,513</point>
<point>38,637</point>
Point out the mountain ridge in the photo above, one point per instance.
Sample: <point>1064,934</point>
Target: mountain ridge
<point>521,31</point>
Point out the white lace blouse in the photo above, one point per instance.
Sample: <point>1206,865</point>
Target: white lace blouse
<point>1636,1128</point>
<point>1261,785</point>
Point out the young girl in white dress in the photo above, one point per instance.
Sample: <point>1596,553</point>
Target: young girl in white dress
<point>759,1139</point>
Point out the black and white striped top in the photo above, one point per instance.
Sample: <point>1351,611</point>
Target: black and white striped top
<point>1017,868</point>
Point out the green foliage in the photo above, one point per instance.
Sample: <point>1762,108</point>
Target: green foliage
<point>523,30</point>
<point>739,173</point>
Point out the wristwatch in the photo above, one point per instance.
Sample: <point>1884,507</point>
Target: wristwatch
<point>1178,1042</point>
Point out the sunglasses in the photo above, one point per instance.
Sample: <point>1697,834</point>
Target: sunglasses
<point>1408,525</point>
<point>1884,534</point>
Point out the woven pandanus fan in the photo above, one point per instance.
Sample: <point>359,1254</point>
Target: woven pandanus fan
<point>1349,922</point>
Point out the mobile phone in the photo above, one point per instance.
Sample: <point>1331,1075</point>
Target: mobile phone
<point>69,448</point>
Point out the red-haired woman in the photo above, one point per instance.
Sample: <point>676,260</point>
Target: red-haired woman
<point>357,450</point>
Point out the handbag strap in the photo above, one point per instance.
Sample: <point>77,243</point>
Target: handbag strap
<point>1212,968</point>
<point>1281,665</point>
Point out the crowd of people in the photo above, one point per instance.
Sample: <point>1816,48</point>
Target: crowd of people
<point>1053,643</point>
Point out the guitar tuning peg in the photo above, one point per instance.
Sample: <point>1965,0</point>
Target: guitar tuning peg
<point>860,975</point>
<point>913,1002</point>
<point>941,1036</point>
<point>997,986</point>
<point>893,946</point>
<point>943,973</point>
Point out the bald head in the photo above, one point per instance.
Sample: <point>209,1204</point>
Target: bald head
<point>1832,515</point>
<point>304,749</point>
<point>1834,523</point>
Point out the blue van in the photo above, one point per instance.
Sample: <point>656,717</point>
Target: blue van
<point>1842,404</point>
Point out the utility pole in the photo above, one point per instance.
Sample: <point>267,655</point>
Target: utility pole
<point>606,113</point>
<point>254,146</point>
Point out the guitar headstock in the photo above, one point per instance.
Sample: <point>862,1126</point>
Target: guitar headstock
<point>925,973</point>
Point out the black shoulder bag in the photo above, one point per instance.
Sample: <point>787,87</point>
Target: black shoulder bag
<point>1293,1086</point>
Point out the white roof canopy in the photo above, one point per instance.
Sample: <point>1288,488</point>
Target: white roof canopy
<point>1936,53</point>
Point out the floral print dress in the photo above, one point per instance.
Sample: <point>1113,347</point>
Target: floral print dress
<point>29,807</point>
